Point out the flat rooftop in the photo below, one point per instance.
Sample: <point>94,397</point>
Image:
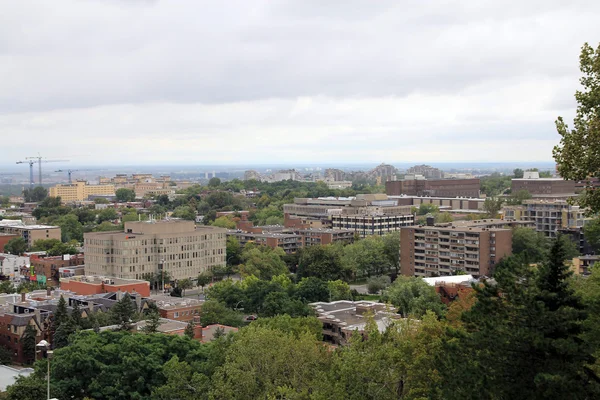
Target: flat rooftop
<point>351,315</point>
<point>168,302</point>
<point>460,228</point>
<point>28,227</point>
<point>98,280</point>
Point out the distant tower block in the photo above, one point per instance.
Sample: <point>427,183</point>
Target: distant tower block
<point>206,175</point>
<point>214,174</point>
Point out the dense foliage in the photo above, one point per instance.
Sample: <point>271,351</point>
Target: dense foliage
<point>578,156</point>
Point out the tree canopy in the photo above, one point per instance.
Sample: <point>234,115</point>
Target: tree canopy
<point>577,155</point>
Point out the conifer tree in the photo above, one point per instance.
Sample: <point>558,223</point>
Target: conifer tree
<point>189,329</point>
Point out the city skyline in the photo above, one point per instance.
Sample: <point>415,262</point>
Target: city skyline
<point>257,83</point>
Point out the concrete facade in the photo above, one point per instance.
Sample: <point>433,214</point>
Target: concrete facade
<point>183,249</point>
<point>88,285</point>
<point>434,187</point>
<point>80,191</point>
<point>442,250</point>
<point>31,233</point>
<point>366,214</point>
<point>544,187</point>
<point>548,216</point>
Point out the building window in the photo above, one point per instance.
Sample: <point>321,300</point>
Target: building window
<point>176,315</point>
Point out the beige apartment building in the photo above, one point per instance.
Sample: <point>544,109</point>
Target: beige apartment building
<point>80,191</point>
<point>31,233</point>
<point>441,250</point>
<point>141,184</point>
<point>548,216</point>
<point>365,214</point>
<point>181,248</point>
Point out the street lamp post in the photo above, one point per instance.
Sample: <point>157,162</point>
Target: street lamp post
<point>44,345</point>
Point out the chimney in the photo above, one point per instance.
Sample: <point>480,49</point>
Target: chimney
<point>23,297</point>
<point>197,328</point>
<point>48,291</point>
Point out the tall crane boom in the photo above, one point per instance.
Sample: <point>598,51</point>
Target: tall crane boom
<point>69,172</point>
<point>40,160</point>
<point>30,171</point>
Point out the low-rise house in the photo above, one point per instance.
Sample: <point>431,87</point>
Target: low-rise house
<point>177,308</point>
<point>92,284</point>
<point>581,265</point>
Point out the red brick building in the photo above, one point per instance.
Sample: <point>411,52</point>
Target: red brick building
<point>178,308</point>
<point>434,187</point>
<point>88,285</point>
<point>49,266</point>
<point>5,238</point>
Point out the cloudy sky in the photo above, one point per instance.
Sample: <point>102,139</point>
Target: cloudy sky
<point>277,81</point>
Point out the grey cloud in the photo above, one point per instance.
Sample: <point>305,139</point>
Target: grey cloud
<point>82,54</point>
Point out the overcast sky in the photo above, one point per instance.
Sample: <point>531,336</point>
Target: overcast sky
<point>261,81</point>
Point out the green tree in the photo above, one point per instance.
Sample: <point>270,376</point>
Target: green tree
<point>591,233</point>
<point>323,262</point>
<point>529,244</point>
<point>16,246</point>
<point>492,206</point>
<point>76,316</point>
<point>413,297</point>
<point>107,227</point>
<point>45,244</point>
<point>378,283</point>
<point>54,247</point>
<point>63,333</point>
<point>339,290</point>
<point>312,289</point>
<point>100,366</point>
<point>204,279</point>
<point>36,194</point>
<point>184,212</point>
<point>425,208</point>
<point>518,173</point>
<point>214,182</point>
<point>7,287</point>
<point>183,382</point>
<point>5,356</point>
<point>295,326</point>
<point>214,312</point>
<point>234,251</point>
<point>577,155</point>
<point>265,363</point>
<point>443,217</point>
<point>152,322</point>
<point>108,214</point>
<point>185,284</point>
<point>123,311</point>
<point>524,317</point>
<point>366,257</point>
<point>70,227</point>
<point>518,197</point>
<point>28,342</point>
<point>32,387</point>
<point>263,262</point>
<point>224,222</point>
<point>190,329</point>
<point>124,195</point>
